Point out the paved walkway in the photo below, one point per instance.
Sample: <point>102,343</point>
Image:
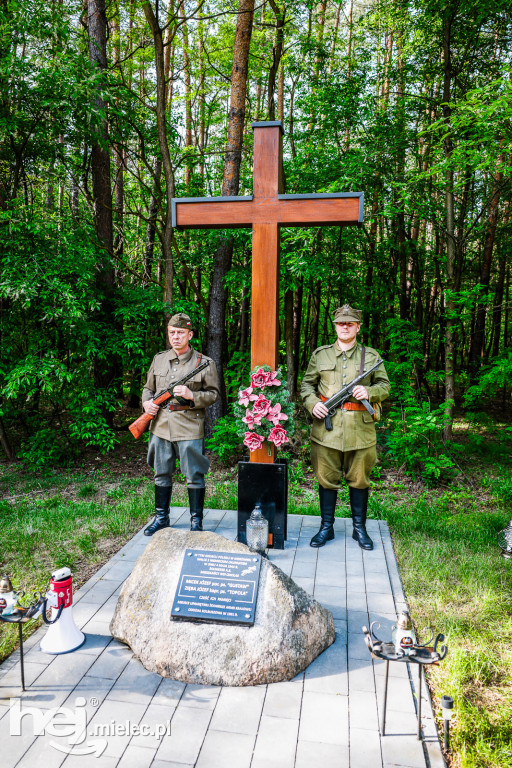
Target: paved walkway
<point>327,717</point>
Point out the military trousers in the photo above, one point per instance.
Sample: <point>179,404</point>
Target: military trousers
<point>162,455</point>
<point>329,464</point>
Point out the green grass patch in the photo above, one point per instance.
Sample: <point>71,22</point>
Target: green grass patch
<point>457,582</point>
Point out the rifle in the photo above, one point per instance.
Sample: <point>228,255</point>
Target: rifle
<point>140,425</point>
<point>343,395</point>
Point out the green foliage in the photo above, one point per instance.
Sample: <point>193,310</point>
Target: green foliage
<point>225,441</point>
<point>495,376</point>
<point>413,440</point>
<point>412,432</point>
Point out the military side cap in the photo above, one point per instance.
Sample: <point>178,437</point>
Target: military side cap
<point>181,320</point>
<point>346,314</point>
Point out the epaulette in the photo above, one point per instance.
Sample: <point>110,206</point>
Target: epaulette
<point>325,346</point>
<point>162,352</point>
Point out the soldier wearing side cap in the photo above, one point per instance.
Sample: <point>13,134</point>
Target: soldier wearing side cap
<point>177,431</point>
<point>350,447</point>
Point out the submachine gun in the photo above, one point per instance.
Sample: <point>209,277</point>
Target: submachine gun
<point>337,400</point>
<point>162,398</point>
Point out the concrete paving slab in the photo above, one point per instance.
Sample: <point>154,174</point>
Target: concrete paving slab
<point>314,753</point>
<point>188,730</point>
<point>221,749</point>
<point>276,743</point>
<point>326,717</point>
<point>238,710</point>
<point>283,700</point>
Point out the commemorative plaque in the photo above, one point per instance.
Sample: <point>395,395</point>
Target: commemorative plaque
<point>217,586</point>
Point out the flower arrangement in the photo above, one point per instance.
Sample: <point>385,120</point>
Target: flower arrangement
<point>263,410</point>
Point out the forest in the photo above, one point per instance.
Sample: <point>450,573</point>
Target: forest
<point>109,110</point>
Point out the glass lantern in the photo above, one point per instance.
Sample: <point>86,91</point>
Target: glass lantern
<point>403,636</point>
<point>257,530</point>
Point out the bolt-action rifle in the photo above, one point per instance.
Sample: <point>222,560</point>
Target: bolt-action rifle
<point>337,400</point>
<point>140,425</point>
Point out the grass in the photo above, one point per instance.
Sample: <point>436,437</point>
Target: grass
<point>457,582</point>
<point>445,541</point>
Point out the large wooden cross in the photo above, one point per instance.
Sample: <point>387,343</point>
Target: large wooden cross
<point>266,210</point>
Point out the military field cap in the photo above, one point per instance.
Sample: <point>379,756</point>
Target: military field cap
<point>346,314</point>
<point>181,320</point>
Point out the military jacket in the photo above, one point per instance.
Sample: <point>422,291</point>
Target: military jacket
<point>328,371</point>
<point>167,368</point>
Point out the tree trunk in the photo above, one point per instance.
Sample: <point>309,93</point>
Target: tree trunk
<point>297,319</point>
<point>161,122</point>
<point>151,226</point>
<point>230,186</point>
<point>478,339</point>
<point>188,97</point>
<point>288,335</point>
<point>106,371</point>
<point>119,153</point>
<point>449,346</point>
<point>500,291</point>
<point>277,53</point>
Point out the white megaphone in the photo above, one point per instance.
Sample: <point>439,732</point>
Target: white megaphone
<point>63,635</point>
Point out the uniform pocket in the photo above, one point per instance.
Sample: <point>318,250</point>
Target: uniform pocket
<point>327,373</point>
<point>161,379</point>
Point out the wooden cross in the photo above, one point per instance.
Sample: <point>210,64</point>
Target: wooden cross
<point>266,210</point>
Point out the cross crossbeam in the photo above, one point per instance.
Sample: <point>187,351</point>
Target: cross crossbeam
<point>266,210</point>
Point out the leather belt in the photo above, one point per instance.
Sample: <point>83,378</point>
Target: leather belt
<point>347,406</point>
<point>176,407</point>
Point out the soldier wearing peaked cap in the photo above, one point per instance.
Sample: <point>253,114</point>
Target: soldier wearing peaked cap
<point>177,431</point>
<point>350,447</point>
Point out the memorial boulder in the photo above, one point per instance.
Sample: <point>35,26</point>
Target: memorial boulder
<point>290,628</point>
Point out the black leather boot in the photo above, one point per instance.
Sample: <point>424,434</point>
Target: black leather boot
<point>359,505</point>
<point>162,502</point>
<point>196,502</point>
<point>328,498</point>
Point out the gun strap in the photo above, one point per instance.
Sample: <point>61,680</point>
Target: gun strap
<point>363,355</point>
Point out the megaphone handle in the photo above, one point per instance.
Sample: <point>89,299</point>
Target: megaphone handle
<point>43,613</point>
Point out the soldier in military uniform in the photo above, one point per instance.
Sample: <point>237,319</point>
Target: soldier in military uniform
<point>351,445</point>
<point>177,431</point>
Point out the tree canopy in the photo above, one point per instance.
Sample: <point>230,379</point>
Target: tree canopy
<point>109,109</point>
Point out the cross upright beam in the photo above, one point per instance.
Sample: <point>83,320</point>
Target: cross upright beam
<point>266,211</point>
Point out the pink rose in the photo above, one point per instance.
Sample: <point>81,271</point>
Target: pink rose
<point>245,396</point>
<point>251,419</point>
<point>274,415</point>
<point>278,436</point>
<point>253,441</point>
<point>261,406</point>
<point>260,378</point>
<point>272,381</point>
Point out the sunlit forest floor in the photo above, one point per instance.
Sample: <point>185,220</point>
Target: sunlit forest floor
<point>445,539</point>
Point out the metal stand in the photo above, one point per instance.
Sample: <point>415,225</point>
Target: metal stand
<point>19,620</point>
<point>422,655</point>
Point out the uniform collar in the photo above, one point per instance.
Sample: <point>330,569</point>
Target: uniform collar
<point>348,352</point>
<point>182,358</point>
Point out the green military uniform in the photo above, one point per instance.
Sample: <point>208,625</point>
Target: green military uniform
<point>353,433</point>
<point>350,447</point>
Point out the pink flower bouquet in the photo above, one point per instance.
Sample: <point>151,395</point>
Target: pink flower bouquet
<point>263,411</point>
